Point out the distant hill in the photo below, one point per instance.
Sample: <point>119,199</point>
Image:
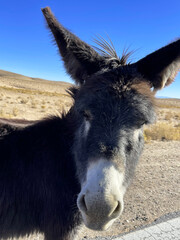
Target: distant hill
<point>10,79</point>
<point>164,97</point>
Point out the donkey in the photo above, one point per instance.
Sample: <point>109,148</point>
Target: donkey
<point>60,172</point>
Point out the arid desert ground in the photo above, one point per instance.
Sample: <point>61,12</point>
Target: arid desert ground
<point>155,190</point>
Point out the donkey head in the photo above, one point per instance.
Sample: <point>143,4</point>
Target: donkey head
<point>112,103</point>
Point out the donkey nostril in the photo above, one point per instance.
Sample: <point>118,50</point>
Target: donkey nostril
<point>116,211</point>
<point>82,203</point>
<point>118,208</point>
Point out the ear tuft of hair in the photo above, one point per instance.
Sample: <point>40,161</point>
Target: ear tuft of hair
<point>106,49</point>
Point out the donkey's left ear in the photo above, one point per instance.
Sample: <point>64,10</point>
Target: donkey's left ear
<point>79,58</point>
<point>161,66</point>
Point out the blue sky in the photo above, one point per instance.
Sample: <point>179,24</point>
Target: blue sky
<point>26,45</point>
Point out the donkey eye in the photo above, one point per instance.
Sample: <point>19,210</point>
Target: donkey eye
<point>144,123</point>
<point>129,147</point>
<point>87,115</point>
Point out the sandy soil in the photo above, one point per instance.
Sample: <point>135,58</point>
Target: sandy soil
<point>155,190</point>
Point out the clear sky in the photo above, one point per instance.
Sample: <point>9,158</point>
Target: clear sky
<point>26,45</point>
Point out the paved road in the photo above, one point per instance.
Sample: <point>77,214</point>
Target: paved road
<point>163,231</point>
<point>167,230</point>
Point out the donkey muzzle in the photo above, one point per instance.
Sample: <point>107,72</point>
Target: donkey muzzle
<point>101,198</point>
<point>99,214</point>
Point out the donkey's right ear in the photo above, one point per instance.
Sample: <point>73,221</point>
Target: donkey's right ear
<point>161,66</point>
<point>79,58</point>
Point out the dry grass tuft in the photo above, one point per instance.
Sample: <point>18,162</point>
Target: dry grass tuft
<point>24,101</point>
<point>168,116</point>
<point>33,104</point>
<point>15,111</point>
<point>177,116</point>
